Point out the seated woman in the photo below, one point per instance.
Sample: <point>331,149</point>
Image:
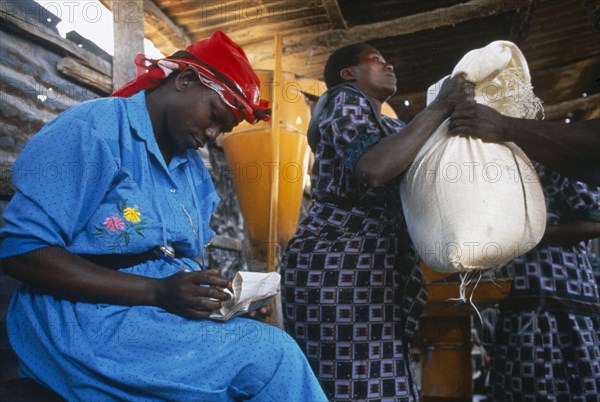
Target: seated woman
<point>100,315</point>
<point>353,288</point>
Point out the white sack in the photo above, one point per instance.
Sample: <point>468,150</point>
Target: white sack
<point>472,205</point>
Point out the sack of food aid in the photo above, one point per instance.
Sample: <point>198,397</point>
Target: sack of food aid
<point>471,205</point>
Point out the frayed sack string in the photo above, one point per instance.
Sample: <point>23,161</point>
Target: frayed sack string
<point>464,294</point>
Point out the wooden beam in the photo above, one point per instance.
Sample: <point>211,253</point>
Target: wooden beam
<point>558,81</point>
<point>335,14</point>
<point>85,75</point>
<point>174,38</point>
<point>325,42</point>
<point>404,25</point>
<point>590,105</point>
<point>302,49</point>
<point>11,19</point>
<point>520,25</point>
<point>157,23</point>
<point>128,28</point>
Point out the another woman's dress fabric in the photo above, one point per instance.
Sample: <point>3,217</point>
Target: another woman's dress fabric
<point>93,181</point>
<point>353,290</point>
<point>547,341</point>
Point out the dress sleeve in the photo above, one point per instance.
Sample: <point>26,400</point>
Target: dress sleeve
<point>582,200</point>
<point>353,126</point>
<point>60,178</point>
<point>568,199</point>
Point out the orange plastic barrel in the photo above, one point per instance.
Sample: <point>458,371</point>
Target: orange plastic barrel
<point>248,150</point>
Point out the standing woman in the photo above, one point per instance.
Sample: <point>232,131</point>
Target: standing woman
<point>353,290</point>
<point>101,314</point>
<point>546,343</point>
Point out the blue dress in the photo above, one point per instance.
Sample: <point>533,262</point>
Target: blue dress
<point>93,181</point>
<point>353,291</point>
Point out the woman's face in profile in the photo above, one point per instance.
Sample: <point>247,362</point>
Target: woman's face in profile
<point>199,118</point>
<point>373,75</point>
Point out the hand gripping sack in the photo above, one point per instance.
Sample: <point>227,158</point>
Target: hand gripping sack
<point>471,205</point>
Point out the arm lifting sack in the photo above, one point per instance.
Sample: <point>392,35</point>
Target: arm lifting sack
<point>471,205</point>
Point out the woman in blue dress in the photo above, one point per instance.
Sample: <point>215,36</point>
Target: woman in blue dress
<point>100,315</point>
<point>353,288</point>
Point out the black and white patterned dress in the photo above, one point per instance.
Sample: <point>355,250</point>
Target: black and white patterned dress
<point>547,341</point>
<point>353,291</point>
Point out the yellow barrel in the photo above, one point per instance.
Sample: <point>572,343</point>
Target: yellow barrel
<point>249,153</point>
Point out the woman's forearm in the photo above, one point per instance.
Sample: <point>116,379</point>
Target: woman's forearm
<point>570,233</point>
<point>572,149</point>
<point>393,154</point>
<point>387,159</point>
<point>66,275</point>
<point>544,139</point>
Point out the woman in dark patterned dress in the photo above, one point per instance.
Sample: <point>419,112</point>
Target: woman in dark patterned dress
<point>353,291</point>
<point>547,341</point>
<point>547,338</point>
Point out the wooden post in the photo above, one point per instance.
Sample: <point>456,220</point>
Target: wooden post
<point>128,28</point>
<point>273,247</point>
<point>444,335</point>
<point>446,364</point>
<point>275,132</point>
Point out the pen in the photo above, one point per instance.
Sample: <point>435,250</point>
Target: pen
<point>172,261</point>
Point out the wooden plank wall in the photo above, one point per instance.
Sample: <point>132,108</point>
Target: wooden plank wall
<point>33,91</point>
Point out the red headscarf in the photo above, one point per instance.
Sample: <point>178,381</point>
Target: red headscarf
<point>222,66</point>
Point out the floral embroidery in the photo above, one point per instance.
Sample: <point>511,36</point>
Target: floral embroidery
<point>113,223</point>
<point>131,214</point>
<point>119,230</point>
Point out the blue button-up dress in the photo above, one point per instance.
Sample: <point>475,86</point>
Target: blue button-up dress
<point>93,181</point>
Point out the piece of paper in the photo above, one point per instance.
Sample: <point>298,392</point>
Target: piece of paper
<point>251,291</point>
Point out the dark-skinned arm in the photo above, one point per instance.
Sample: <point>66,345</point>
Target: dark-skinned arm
<point>65,275</point>
<point>388,158</point>
<point>571,233</point>
<point>572,149</point>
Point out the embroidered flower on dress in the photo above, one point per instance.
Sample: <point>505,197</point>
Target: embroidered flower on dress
<point>119,230</point>
<point>131,214</point>
<point>113,223</point>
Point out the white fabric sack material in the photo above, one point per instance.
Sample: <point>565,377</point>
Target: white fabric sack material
<point>471,205</point>
<point>251,291</point>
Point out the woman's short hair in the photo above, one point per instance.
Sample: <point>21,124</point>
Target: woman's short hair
<point>344,57</point>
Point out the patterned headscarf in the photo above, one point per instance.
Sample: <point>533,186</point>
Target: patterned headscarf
<point>221,65</point>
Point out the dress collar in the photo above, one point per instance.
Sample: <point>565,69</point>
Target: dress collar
<point>141,126</point>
